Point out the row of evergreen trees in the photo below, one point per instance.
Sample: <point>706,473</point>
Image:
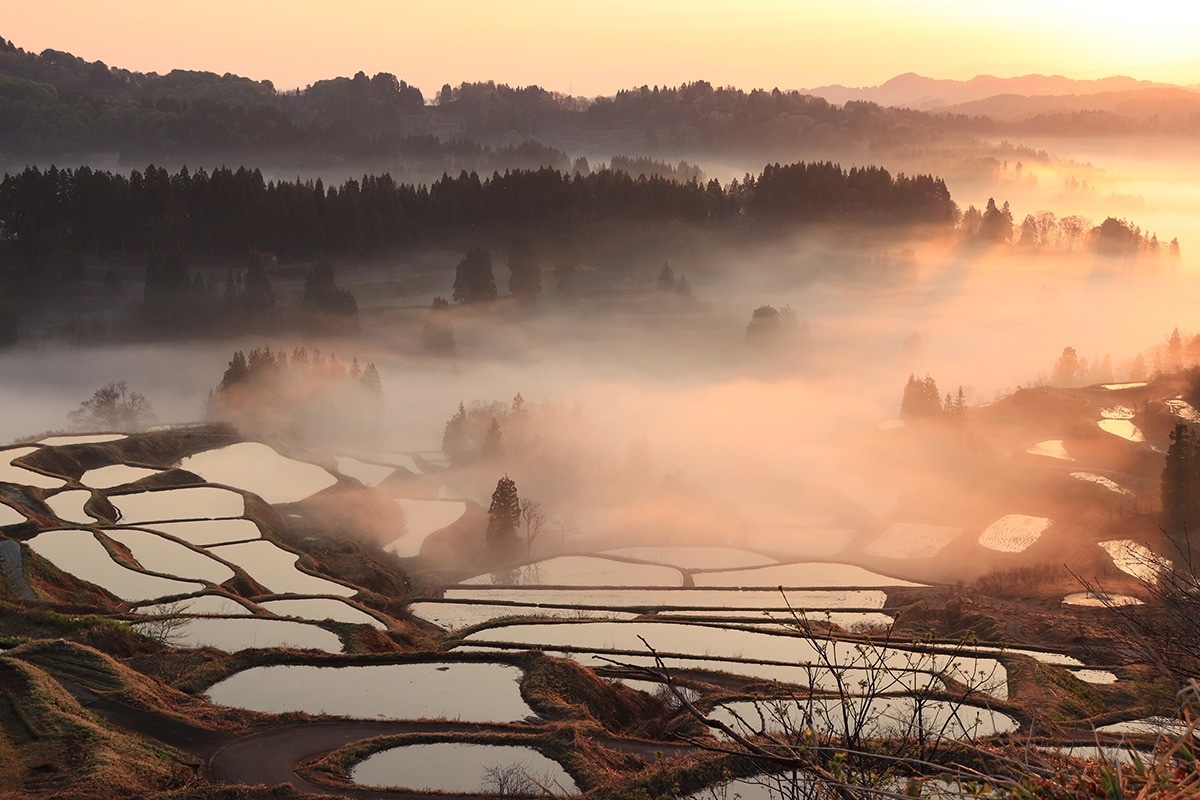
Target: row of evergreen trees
<point>229,212</point>
<point>174,299</point>
<point>922,401</point>
<point>307,397</point>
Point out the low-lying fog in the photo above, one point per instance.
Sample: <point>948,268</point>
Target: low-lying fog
<point>740,421</point>
<point>712,405</point>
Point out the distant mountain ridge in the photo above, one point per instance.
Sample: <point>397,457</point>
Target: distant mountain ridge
<point>919,92</point>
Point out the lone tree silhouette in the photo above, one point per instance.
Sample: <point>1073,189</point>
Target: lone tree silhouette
<point>504,517</point>
<point>113,407</point>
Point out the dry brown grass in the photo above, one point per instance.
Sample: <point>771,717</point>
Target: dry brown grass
<point>67,751</point>
<point>12,772</point>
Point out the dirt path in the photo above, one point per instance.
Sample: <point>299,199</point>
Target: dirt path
<point>270,757</point>
<point>172,731</point>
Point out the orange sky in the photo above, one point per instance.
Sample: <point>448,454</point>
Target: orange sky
<point>597,48</point>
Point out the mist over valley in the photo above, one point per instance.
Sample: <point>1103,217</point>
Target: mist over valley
<point>688,441</point>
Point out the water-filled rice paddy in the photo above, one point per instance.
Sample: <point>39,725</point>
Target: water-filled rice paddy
<point>699,641</point>
<point>876,717</point>
<point>10,516</point>
<point>258,468</point>
<point>13,473</point>
<point>217,605</point>
<point>159,554</point>
<point>365,473</point>
<point>800,674</point>
<point>1014,533</point>
<point>68,506</point>
<point>848,620</point>
<point>1135,559</point>
<point>275,568</point>
<point>1100,480</point>
<point>475,692</point>
<point>811,574</point>
<point>403,460</point>
<point>193,502</point>
<point>462,615</point>
<point>115,475</point>
<point>693,557</point>
<point>1184,410</point>
<point>1093,600</point>
<point>912,540</point>
<point>204,532</point>
<point>1115,754</point>
<point>1149,726</point>
<point>241,633</point>
<point>716,599</point>
<point>317,608</point>
<point>800,541</point>
<point>84,438</point>
<point>79,553</point>
<point>1098,676</point>
<point>1122,428</point>
<point>1052,448</point>
<point>767,787</point>
<point>581,571</point>
<point>421,519</point>
<point>459,767</point>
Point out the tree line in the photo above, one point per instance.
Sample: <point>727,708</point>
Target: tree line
<point>227,212</point>
<point>55,103</point>
<point>1043,231</point>
<point>307,397</point>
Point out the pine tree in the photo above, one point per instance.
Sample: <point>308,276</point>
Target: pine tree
<point>1175,352</point>
<point>456,444</point>
<point>666,278</point>
<point>438,334</point>
<point>370,379</point>
<point>1066,369</point>
<point>493,442</point>
<point>921,399</point>
<point>256,292</point>
<point>504,517</point>
<point>1181,482</point>
<point>237,371</point>
<point>322,294</point>
<point>473,279</point>
<point>1137,369</point>
<point>525,273</point>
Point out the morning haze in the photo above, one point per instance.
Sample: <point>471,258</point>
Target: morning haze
<point>505,418</point>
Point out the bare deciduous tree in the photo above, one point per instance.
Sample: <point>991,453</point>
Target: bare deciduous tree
<point>534,520</point>
<point>113,407</point>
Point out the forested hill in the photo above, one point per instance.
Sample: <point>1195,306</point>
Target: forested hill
<point>236,212</point>
<point>54,105</point>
